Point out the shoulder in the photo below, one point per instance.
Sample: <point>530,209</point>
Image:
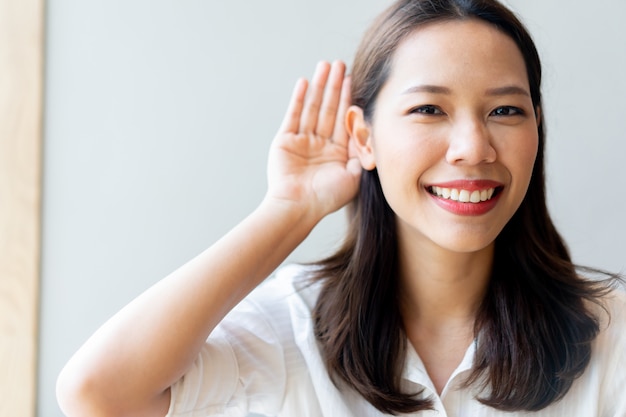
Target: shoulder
<point>612,310</point>
<point>275,307</point>
<point>608,359</point>
<point>612,317</point>
<point>608,352</point>
<point>290,284</point>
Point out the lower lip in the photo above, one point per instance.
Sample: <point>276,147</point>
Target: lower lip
<point>466,209</point>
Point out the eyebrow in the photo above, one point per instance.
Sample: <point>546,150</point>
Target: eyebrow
<point>498,91</point>
<point>507,91</point>
<point>426,88</point>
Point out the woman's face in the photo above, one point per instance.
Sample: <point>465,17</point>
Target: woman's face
<point>454,135</point>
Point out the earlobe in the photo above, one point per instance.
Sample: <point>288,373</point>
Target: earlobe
<point>361,136</point>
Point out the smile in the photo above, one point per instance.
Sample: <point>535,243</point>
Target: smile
<point>463,196</point>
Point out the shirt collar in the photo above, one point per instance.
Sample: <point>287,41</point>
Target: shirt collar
<point>415,371</point>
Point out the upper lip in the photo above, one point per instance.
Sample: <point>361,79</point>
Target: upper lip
<point>469,185</point>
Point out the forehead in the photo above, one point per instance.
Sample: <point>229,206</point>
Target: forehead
<point>470,52</point>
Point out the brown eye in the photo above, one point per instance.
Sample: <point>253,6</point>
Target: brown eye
<point>427,109</point>
<point>507,111</point>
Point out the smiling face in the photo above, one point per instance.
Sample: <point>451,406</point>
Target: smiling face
<point>453,135</point>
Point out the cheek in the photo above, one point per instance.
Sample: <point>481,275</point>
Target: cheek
<point>527,153</point>
<point>404,145</point>
<point>519,158</point>
<point>401,165</point>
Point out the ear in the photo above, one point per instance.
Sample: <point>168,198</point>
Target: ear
<point>361,136</point>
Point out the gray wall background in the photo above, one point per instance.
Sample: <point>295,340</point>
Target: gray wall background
<point>159,115</point>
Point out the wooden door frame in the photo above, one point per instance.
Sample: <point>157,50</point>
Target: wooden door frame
<point>21,103</point>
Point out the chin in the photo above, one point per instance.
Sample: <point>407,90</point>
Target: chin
<point>466,244</point>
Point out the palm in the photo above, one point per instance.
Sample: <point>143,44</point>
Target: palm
<point>311,162</point>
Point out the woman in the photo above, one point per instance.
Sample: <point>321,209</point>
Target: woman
<point>453,293</point>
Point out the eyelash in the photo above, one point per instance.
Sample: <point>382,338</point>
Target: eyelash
<point>427,109</point>
<point>516,111</point>
<point>432,110</point>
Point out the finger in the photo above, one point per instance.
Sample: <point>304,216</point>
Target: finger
<point>330,104</point>
<point>340,133</point>
<point>308,122</point>
<point>291,122</point>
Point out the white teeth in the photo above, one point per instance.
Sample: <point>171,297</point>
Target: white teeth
<point>463,196</point>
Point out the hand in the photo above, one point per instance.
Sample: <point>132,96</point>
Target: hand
<point>311,161</point>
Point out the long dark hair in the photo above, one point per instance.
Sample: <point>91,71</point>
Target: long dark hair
<point>535,326</point>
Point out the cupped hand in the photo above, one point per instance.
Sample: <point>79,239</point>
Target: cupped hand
<point>312,163</point>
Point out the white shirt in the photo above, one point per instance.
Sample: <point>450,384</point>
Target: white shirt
<point>263,358</point>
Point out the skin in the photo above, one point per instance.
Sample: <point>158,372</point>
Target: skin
<point>456,106</point>
<point>314,167</point>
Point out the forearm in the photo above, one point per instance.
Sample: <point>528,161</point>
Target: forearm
<point>133,359</point>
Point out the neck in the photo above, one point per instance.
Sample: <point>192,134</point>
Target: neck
<point>440,288</point>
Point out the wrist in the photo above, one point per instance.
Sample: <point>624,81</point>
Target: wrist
<point>298,217</point>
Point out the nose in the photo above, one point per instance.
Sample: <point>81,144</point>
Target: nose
<point>470,143</point>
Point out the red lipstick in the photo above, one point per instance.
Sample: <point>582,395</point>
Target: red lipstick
<point>466,197</point>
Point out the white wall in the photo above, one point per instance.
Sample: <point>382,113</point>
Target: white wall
<point>159,115</point>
